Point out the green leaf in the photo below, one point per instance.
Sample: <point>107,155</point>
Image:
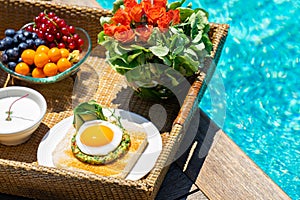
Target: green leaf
<point>104,20</point>
<point>191,53</point>
<point>114,58</point>
<point>204,11</point>
<point>194,20</point>
<point>176,4</point>
<point>101,37</point>
<point>178,50</point>
<point>192,64</point>
<point>118,49</point>
<point>198,47</point>
<point>87,111</point>
<point>130,58</point>
<point>159,50</point>
<point>116,5</point>
<point>198,37</point>
<point>166,60</point>
<point>185,13</point>
<point>207,42</point>
<point>138,47</point>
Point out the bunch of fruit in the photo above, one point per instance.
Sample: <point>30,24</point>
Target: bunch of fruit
<point>47,47</point>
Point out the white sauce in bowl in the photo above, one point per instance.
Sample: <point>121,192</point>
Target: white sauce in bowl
<point>25,112</point>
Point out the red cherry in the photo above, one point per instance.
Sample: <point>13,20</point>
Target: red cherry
<point>56,19</point>
<point>29,28</point>
<point>51,45</point>
<point>61,45</point>
<point>40,34</point>
<point>64,31</point>
<point>42,14</point>
<point>70,39</point>
<point>72,46</point>
<point>37,19</point>
<point>51,14</point>
<point>50,38</point>
<point>71,29</point>
<point>43,27</point>
<point>62,23</point>
<point>44,19</point>
<point>65,38</point>
<point>76,36</point>
<point>58,35</point>
<point>80,42</point>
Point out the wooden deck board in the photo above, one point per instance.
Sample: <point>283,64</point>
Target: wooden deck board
<point>226,172</point>
<point>177,185</point>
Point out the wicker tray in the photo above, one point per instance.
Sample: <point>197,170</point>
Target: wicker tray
<point>20,173</point>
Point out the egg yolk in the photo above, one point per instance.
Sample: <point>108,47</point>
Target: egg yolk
<point>97,135</point>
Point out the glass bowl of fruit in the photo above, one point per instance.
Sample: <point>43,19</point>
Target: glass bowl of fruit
<point>44,51</point>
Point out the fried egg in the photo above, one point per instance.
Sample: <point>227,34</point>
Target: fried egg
<point>98,137</point>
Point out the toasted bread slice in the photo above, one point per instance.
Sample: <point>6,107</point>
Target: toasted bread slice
<point>63,157</point>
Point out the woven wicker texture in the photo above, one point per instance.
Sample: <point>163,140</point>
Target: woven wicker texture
<point>20,173</point>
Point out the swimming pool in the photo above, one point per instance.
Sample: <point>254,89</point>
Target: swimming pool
<point>254,96</point>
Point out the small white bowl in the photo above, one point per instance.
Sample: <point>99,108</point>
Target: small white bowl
<point>26,114</point>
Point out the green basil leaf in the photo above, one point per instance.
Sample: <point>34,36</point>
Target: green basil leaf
<point>178,50</point>
<point>159,50</point>
<point>100,37</point>
<point>191,53</point>
<point>115,58</point>
<point>198,37</point>
<point>176,4</point>
<point>130,58</point>
<point>207,42</point>
<point>185,13</point>
<point>166,60</point>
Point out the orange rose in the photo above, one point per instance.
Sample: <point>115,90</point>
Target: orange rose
<point>129,3</point>
<point>146,4</point>
<point>144,32</point>
<point>121,17</point>
<point>174,16</point>
<point>109,29</point>
<point>124,34</point>
<point>163,23</point>
<point>136,13</point>
<point>160,3</point>
<point>154,13</point>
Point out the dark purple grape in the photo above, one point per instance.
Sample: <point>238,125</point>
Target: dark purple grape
<point>34,36</point>
<point>8,42</point>
<point>22,46</point>
<point>12,54</point>
<point>12,65</point>
<point>39,42</point>
<point>16,49</point>
<point>2,45</point>
<point>20,37</point>
<point>30,43</point>
<point>15,41</point>
<point>19,60</point>
<point>27,34</point>
<point>19,31</point>
<point>4,58</point>
<point>10,32</point>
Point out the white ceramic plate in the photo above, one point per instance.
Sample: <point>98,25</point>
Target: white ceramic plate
<point>130,121</point>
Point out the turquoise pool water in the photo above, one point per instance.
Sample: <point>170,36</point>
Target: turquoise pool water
<point>254,95</point>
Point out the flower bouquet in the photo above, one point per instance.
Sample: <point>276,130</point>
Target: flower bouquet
<point>154,44</point>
